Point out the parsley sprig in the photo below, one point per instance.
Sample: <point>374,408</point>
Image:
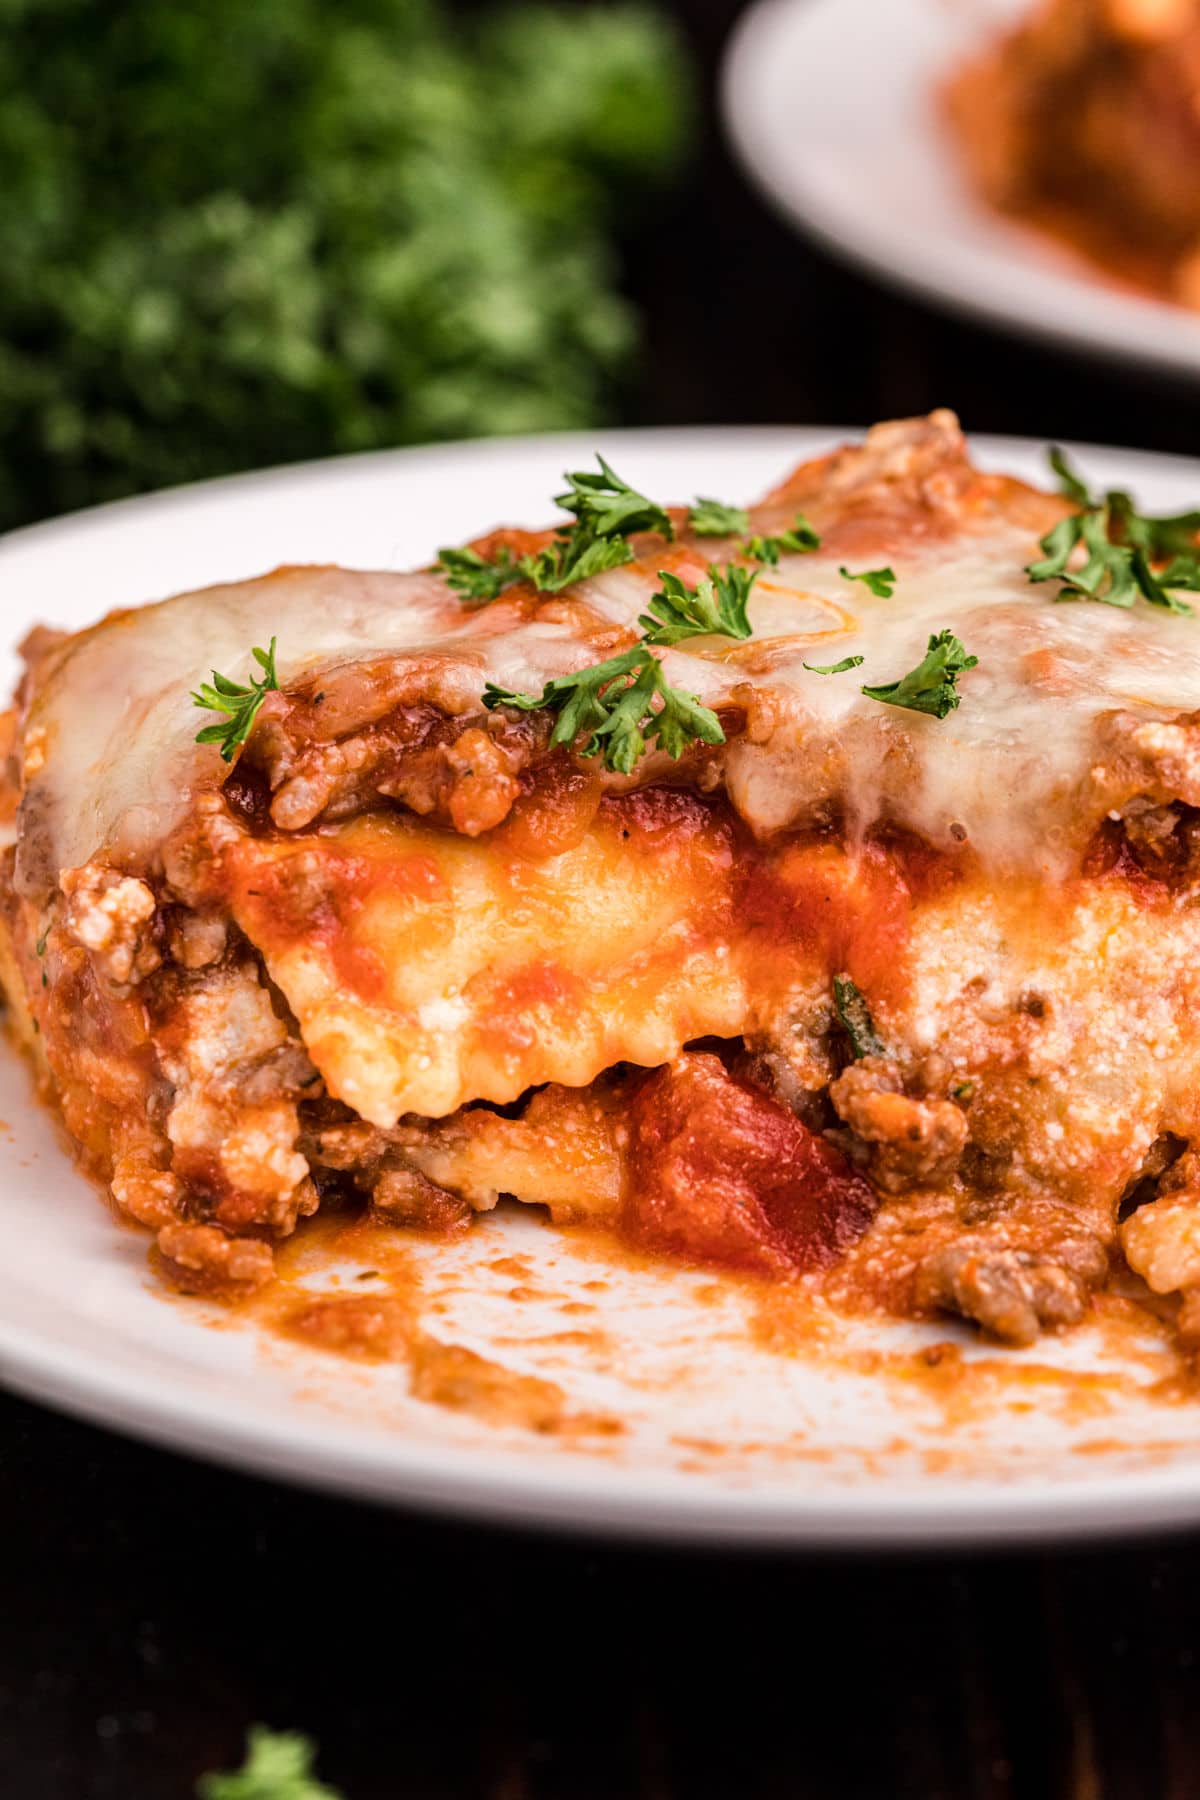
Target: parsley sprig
<point>278,1766</point>
<point>607,511</point>
<point>240,703</point>
<point>837,668</point>
<point>614,703</point>
<point>713,518</point>
<point>1121,548</point>
<point>930,687</point>
<point>799,540</point>
<point>882,582</point>
<point>574,558</point>
<point>715,607</point>
<point>476,580</point>
<point>605,506</point>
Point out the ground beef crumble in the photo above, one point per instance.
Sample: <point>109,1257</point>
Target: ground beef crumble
<point>901,1129</point>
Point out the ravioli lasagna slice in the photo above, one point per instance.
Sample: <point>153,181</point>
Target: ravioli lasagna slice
<point>880,974</point>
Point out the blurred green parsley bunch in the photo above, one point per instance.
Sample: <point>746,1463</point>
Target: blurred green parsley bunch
<point>235,234</point>
<point>278,1766</point>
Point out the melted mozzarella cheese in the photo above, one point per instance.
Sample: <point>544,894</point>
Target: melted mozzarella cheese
<point>111,762</point>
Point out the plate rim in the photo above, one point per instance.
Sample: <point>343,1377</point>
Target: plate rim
<point>580,1495</point>
<point>584,1498</point>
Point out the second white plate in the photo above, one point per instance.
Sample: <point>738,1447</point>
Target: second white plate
<point>832,106</point>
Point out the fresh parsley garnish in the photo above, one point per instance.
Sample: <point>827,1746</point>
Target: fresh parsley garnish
<point>474,578</point>
<point>882,582</point>
<point>240,703</point>
<point>573,558</point>
<point>605,506</point>
<point>715,607</point>
<point>837,668</point>
<point>607,511</point>
<point>854,1015</point>
<point>929,688</point>
<point>712,518</point>
<point>1182,572</point>
<point>1121,548</point>
<point>614,703</point>
<point>278,1766</point>
<point>1070,484</point>
<point>799,541</point>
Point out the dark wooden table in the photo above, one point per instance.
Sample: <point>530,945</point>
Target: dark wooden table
<point>152,1608</point>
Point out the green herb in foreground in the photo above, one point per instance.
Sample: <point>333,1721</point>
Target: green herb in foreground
<point>854,1015</point>
<point>715,607</point>
<point>573,558</point>
<point>882,582</point>
<point>1121,548</point>
<point>837,668</point>
<point>801,540</point>
<point>278,1766</point>
<point>930,687</point>
<point>712,518</point>
<point>606,506</point>
<point>474,579</point>
<point>607,512</point>
<point>622,706</point>
<point>240,703</point>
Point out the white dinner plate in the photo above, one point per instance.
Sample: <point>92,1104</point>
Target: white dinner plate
<point>831,105</point>
<point>730,1431</point>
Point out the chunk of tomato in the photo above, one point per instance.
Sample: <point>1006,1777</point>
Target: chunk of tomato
<point>722,1173</point>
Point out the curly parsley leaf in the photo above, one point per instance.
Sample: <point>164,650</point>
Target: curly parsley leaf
<point>1121,547</point>
<point>605,506</point>
<point>837,668</point>
<point>1159,535</point>
<point>930,687</point>
<point>712,518</point>
<point>1070,483</point>
<point>854,1016</point>
<point>1182,572</point>
<point>715,607</point>
<point>882,582</point>
<point>1111,572</point>
<point>799,541</point>
<point>1056,548</point>
<point>240,703</point>
<point>606,512</point>
<point>278,1766</point>
<point>474,578</point>
<point>573,558</point>
<point>614,704</point>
